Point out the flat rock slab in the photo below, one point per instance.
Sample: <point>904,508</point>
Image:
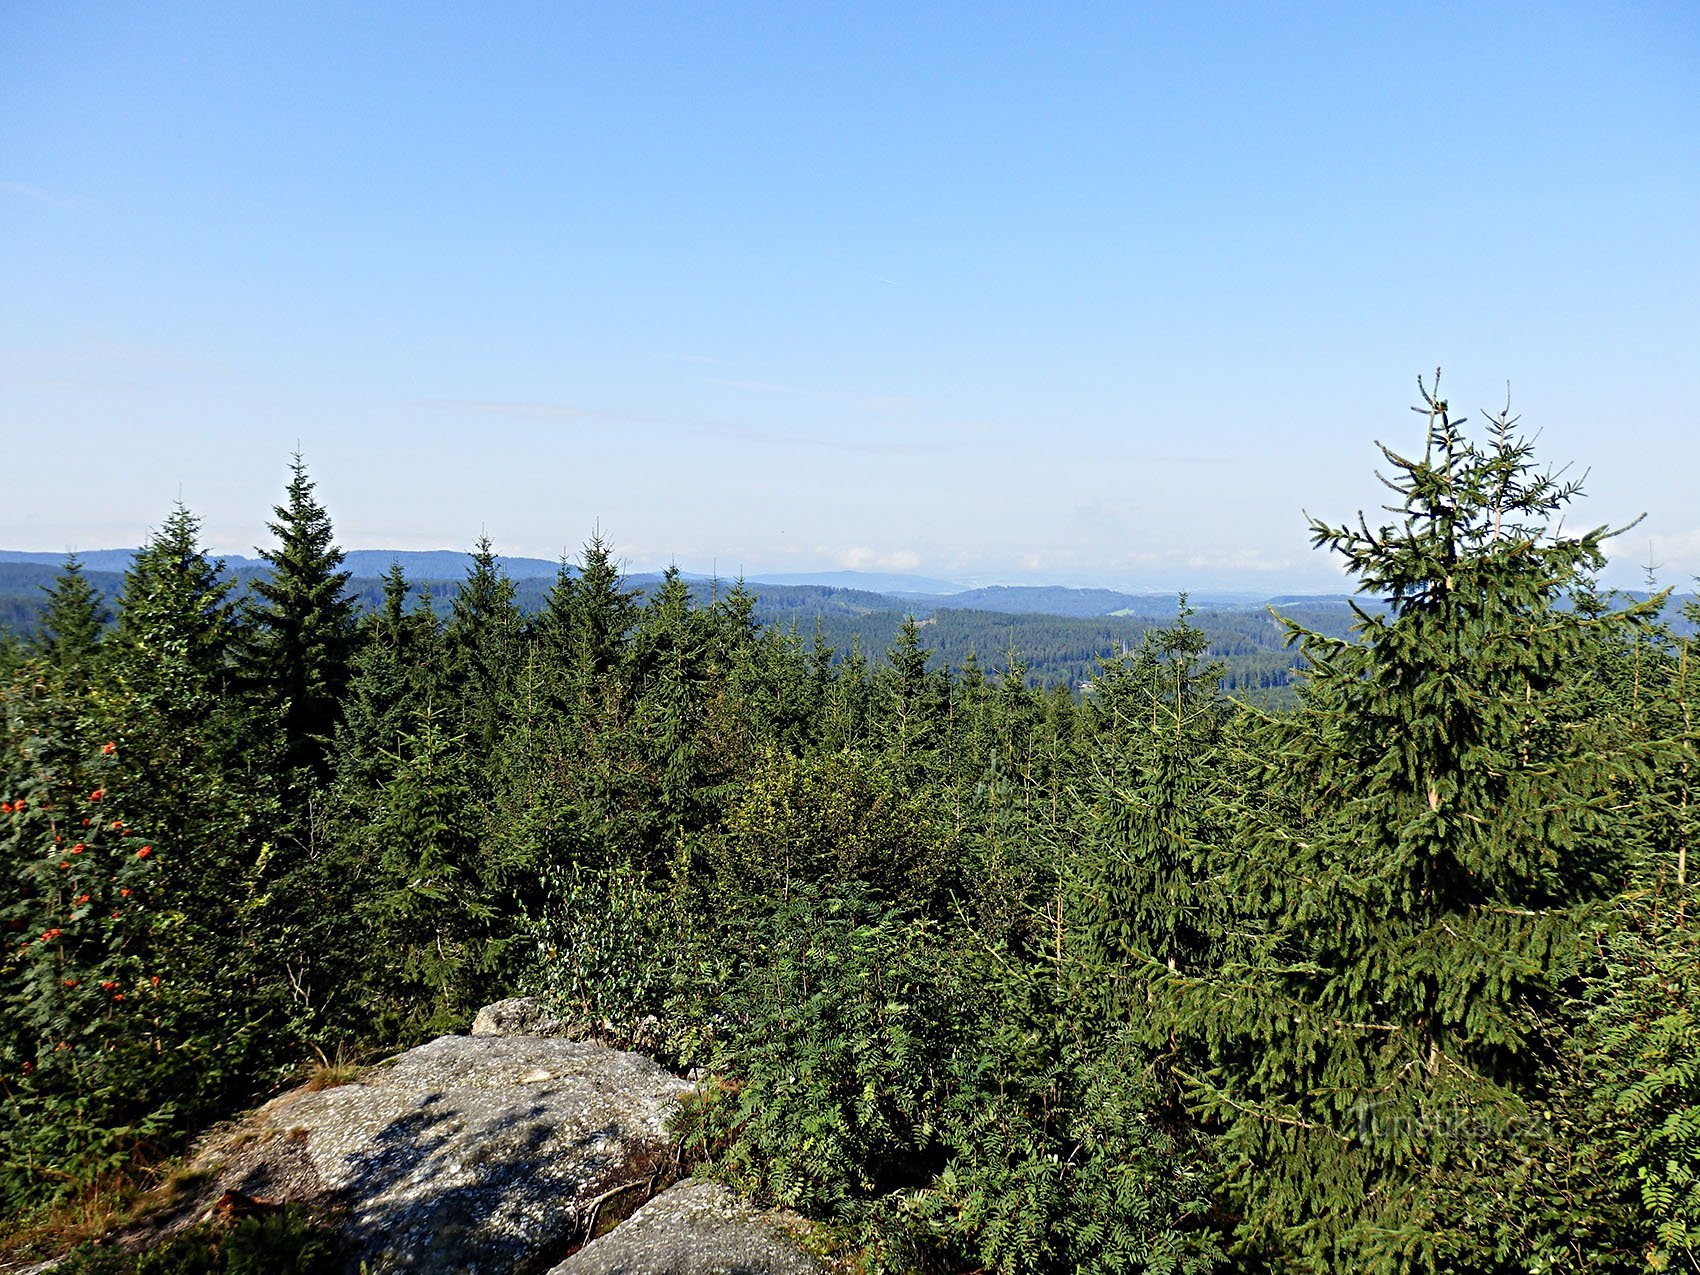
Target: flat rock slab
<point>697,1228</point>
<point>465,1154</point>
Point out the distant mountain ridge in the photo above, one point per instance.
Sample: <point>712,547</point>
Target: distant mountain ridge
<point>793,596</point>
<point>875,590</point>
<point>867,581</point>
<point>92,560</point>
<point>451,564</point>
<point>419,564</point>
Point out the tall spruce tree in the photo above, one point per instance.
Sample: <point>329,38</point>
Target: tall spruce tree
<point>390,682</point>
<point>844,715</point>
<point>581,681</point>
<point>601,612</point>
<point>301,630</point>
<point>176,634</point>
<point>668,659</point>
<point>185,749</point>
<point>744,680</point>
<point>72,622</point>
<point>910,702</point>
<point>552,630</point>
<point>1151,822</point>
<point>327,946</point>
<point>1379,1064</point>
<point>482,643</point>
<point>433,903</point>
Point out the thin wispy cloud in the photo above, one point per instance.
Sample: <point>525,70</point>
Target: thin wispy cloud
<point>521,410</point>
<point>572,414</point>
<point>841,442</point>
<point>923,426</point>
<point>892,403</point>
<point>1236,560</point>
<point>52,199</point>
<point>863,558</point>
<point>908,412</point>
<point>764,387</point>
<point>98,354</point>
<point>105,369</point>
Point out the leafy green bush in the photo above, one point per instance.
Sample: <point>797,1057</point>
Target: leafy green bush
<point>607,948</point>
<point>836,820</point>
<point>128,1006</point>
<point>834,1032</point>
<point>940,1101</point>
<point>1063,1153</point>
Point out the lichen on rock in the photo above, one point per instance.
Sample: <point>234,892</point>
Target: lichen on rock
<point>468,1153</point>
<point>698,1228</point>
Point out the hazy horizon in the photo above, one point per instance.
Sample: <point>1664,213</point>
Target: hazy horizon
<point>1260,585</point>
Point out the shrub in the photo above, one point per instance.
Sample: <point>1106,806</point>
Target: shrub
<point>607,947</point>
<point>834,1034</point>
<point>288,1242</point>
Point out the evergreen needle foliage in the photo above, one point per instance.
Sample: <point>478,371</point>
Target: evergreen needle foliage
<point>1115,975</point>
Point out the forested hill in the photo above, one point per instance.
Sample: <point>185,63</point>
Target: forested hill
<point>1058,634</point>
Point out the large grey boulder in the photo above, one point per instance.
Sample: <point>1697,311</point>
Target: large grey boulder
<point>698,1228</point>
<point>467,1154</point>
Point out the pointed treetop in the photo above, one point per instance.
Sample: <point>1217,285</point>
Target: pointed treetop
<point>73,618</point>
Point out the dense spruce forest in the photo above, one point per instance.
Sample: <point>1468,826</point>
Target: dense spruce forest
<point>988,973</point>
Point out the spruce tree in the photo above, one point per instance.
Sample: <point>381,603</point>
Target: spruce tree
<point>533,822</point>
<point>582,675</point>
<point>482,644</point>
<point>433,903</point>
<point>748,686</point>
<point>910,703</point>
<point>72,622</point>
<point>328,942</point>
<point>173,648</point>
<point>552,629</point>
<point>820,678</point>
<point>668,659</point>
<point>784,695</point>
<point>186,752</point>
<point>1379,1063</point>
<point>1011,855</point>
<point>1151,822</point>
<point>176,625</point>
<point>390,683</point>
<point>844,716</point>
<point>600,612</point>
<point>301,631</point>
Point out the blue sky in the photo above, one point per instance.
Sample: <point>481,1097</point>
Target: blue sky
<point>1102,293</point>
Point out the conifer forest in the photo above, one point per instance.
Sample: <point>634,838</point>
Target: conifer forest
<point>1140,975</point>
